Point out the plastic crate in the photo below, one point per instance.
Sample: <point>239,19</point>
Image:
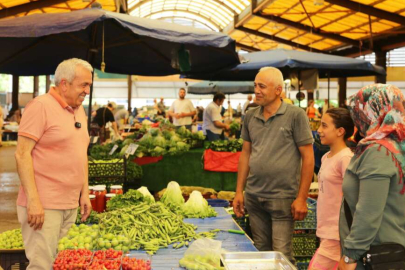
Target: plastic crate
<point>304,245</point>
<point>302,266</point>
<point>108,173</point>
<point>13,259</point>
<point>309,223</point>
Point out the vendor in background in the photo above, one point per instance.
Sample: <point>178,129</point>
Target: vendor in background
<point>311,111</point>
<point>15,116</point>
<point>100,123</point>
<point>230,110</point>
<point>276,166</point>
<point>182,111</point>
<point>121,118</point>
<point>249,99</point>
<point>239,110</point>
<point>336,127</point>
<point>285,99</point>
<point>325,107</point>
<point>161,108</point>
<point>251,105</point>
<point>374,184</point>
<point>212,120</point>
<point>52,162</point>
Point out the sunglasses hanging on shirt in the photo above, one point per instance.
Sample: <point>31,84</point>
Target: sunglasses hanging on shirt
<point>77,124</point>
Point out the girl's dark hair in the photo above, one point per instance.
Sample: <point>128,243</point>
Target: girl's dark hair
<point>342,119</point>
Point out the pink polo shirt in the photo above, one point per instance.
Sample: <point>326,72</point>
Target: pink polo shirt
<point>330,179</point>
<point>60,153</point>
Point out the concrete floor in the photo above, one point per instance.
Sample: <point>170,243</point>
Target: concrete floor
<point>9,185</point>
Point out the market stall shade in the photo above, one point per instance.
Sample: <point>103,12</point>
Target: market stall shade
<point>289,60</point>
<point>36,44</point>
<point>207,87</point>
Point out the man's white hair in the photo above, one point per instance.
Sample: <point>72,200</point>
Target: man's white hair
<point>275,75</point>
<point>67,69</point>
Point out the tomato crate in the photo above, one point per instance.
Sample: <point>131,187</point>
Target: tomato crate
<point>13,259</point>
<point>304,244</point>
<point>309,223</point>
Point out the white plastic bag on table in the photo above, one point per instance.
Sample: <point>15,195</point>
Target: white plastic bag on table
<point>203,254</point>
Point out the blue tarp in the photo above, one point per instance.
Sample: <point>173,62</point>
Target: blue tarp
<point>169,258</point>
<point>289,60</point>
<point>36,44</point>
<point>206,87</point>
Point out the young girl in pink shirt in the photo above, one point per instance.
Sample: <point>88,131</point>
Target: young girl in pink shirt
<point>336,127</point>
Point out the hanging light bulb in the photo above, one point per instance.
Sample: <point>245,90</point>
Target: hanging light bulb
<point>319,2</point>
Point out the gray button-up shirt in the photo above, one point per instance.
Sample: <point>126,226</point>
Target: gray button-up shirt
<point>275,160</point>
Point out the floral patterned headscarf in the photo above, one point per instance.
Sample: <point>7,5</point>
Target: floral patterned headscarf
<point>379,114</point>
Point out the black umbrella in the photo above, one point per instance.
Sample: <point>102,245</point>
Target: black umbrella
<point>119,43</point>
<point>290,60</point>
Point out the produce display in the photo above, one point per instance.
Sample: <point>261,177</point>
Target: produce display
<point>231,145</point>
<point>186,191</point>
<point>146,194</point>
<point>198,262</point>
<point>11,239</point>
<point>108,169</point>
<point>150,227</point>
<point>234,127</point>
<point>82,259</point>
<point>92,219</point>
<point>130,198</point>
<point>304,244</point>
<point>173,196</point>
<point>197,207</point>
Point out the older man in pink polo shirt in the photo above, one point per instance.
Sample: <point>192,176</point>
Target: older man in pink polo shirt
<point>52,163</point>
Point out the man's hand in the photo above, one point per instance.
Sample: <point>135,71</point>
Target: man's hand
<point>299,209</point>
<point>36,215</point>
<point>345,266</point>
<point>227,127</point>
<point>239,205</point>
<point>85,207</point>
<point>177,116</point>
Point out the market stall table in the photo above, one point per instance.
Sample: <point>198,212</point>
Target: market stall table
<point>168,259</point>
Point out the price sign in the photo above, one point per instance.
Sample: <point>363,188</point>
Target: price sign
<point>132,149</point>
<point>115,147</point>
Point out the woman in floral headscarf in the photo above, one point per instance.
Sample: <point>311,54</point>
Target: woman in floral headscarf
<point>374,183</point>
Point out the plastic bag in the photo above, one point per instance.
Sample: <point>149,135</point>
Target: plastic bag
<point>203,254</point>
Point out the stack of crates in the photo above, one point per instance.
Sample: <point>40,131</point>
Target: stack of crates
<point>13,259</point>
<point>305,241</point>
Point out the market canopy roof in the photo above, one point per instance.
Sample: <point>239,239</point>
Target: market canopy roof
<point>36,44</point>
<point>288,60</point>
<point>206,87</point>
<point>342,27</point>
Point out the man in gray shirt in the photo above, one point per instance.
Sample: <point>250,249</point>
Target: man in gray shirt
<point>276,166</point>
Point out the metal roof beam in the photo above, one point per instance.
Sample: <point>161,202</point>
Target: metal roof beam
<point>369,10</point>
<point>308,29</point>
<point>277,39</point>
<point>247,48</point>
<point>7,12</point>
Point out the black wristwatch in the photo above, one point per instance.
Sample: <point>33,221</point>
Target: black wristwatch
<point>348,260</point>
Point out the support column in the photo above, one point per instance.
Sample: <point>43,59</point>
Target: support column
<point>47,83</point>
<point>129,93</point>
<point>342,93</point>
<point>36,87</point>
<point>14,95</point>
<point>381,60</point>
<point>310,95</point>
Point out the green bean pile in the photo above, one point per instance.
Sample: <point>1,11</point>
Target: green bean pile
<point>150,227</point>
